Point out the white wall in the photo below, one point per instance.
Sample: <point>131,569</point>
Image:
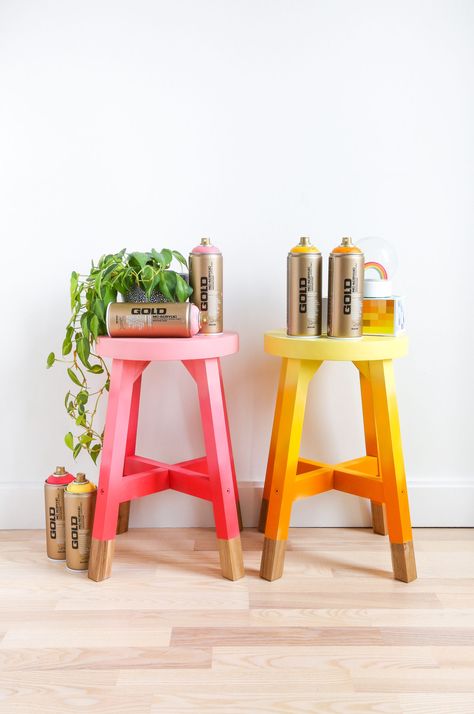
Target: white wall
<point>151,123</point>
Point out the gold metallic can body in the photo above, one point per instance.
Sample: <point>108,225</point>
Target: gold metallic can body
<point>304,286</point>
<point>129,319</point>
<point>79,510</point>
<point>206,280</point>
<point>345,295</point>
<point>54,515</point>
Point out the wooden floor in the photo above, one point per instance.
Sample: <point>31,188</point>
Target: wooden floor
<point>167,634</point>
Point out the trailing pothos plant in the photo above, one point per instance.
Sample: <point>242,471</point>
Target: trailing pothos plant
<point>90,296</point>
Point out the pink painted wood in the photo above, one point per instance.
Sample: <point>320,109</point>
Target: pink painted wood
<point>124,475</point>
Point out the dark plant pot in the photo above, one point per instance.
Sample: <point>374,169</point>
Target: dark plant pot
<point>138,294</point>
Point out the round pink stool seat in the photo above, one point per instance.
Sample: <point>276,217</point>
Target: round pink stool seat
<point>169,348</point>
<point>125,475</point>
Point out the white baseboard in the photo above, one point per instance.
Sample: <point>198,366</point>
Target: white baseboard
<point>432,504</point>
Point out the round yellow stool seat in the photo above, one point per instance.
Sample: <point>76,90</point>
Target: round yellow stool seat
<point>367,348</point>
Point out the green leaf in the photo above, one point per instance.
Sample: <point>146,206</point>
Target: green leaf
<point>77,450</point>
<point>73,377</point>
<point>85,439</point>
<point>50,360</point>
<point>158,258</point>
<point>73,287</point>
<point>147,278</point>
<point>94,327</point>
<point>81,420</point>
<point>137,260</point>
<point>181,289</point>
<point>83,350</point>
<point>67,347</point>
<point>96,369</point>
<point>180,258</point>
<point>69,440</point>
<point>164,286</point>
<point>167,255</point>
<point>85,324</point>
<point>66,399</point>
<point>99,309</point>
<point>95,451</point>
<point>82,397</point>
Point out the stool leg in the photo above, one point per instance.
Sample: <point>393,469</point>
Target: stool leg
<point>271,454</point>
<point>124,508</point>
<point>220,464</point>
<point>392,469</point>
<point>122,380</point>
<point>379,524</point>
<point>298,374</point>
<point>234,476</point>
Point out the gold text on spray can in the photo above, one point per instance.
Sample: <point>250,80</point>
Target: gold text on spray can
<point>304,280</point>
<point>79,503</point>
<point>206,280</point>
<point>129,319</point>
<point>345,298</point>
<point>54,513</point>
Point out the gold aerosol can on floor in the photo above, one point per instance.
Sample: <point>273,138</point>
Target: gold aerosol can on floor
<point>345,291</point>
<point>54,512</point>
<point>304,284</point>
<point>79,501</point>
<point>206,280</point>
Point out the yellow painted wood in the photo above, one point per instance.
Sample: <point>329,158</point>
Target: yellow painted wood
<point>367,348</point>
<point>310,483</point>
<point>298,375</point>
<point>390,453</point>
<point>271,455</point>
<point>379,521</point>
<point>359,484</point>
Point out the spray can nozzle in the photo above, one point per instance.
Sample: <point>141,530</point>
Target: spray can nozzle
<point>346,241</point>
<point>60,471</point>
<point>80,478</point>
<point>205,241</point>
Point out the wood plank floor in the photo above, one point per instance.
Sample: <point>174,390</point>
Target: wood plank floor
<point>167,634</point>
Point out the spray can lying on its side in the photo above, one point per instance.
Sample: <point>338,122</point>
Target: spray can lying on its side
<point>345,291</point>
<point>134,319</point>
<point>205,278</point>
<point>304,280</point>
<point>79,502</point>
<point>54,512</point>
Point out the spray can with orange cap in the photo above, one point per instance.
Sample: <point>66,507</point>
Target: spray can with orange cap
<point>54,512</point>
<point>304,280</point>
<point>79,504</point>
<point>345,291</point>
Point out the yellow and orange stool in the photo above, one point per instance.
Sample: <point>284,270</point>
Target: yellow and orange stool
<point>379,475</point>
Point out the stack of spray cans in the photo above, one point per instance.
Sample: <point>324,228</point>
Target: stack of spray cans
<point>345,291</point>
<point>69,510</point>
<point>203,314</point>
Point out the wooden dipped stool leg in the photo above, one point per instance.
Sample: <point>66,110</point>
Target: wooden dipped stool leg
<point>221,472</point>
<point>271,455</point>
<point>379,522</point>
<point>123,518</point>
<point>298,375</point>
<point>106,517</point>
<point>392,469</point>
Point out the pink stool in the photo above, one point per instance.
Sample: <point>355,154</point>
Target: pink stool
<point>125,476</point>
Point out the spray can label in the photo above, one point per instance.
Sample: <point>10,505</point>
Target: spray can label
<point>345,299</point>
<point>304,281</point>
<point>54,513</point>
<point>79,503</point>
<point>206,280</point>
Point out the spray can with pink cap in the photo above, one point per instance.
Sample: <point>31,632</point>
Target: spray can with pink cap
<point>205,278</point>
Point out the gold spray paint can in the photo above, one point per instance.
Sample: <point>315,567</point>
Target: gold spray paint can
<point>129,319</point>
<point>79,502</point>
<point>54,512</point>
<point>304,281</point>
<point>206,280</point>
<point>345,291</point>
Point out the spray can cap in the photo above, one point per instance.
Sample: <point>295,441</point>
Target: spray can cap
<point>205,241</point>
<point>346,242</point>
<point>304,246</point>
<point>80,478</point>
<point>305,241</point>
<point>60,471</point>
